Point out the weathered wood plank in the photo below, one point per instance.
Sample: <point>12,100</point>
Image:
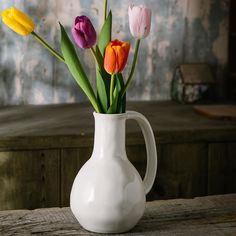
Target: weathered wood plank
<point>29,179</point>
<point>217,158</point>
<point>71,125</point>
<point>221,168</point>
<point>230,180</point>
<point>212,215</point>
<point>186,165</point>
<point>166,185</point>
<point>137,156</point>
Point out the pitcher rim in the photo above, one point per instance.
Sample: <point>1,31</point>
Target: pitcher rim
<point>117,115</point>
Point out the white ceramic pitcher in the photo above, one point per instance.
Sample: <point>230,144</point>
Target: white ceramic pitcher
<point>108,194</point>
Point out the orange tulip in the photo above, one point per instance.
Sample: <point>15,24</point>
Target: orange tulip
<point>116,55</point>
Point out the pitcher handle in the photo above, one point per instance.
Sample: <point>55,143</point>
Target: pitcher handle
<point>150,143</point>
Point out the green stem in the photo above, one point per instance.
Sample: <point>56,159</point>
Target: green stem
<point>95,58</point>
<point>95,105</point>
<point>132,68</point>
<point>112,88</point>
<point>105,10</point>
<point>48,47</point>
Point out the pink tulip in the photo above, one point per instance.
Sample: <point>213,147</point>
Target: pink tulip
<point>139,21</point>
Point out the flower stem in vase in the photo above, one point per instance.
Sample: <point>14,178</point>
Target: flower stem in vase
<point>112,88</point>
<point>48,47</point>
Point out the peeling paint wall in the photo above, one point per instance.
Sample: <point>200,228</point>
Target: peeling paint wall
<point>183,31</point>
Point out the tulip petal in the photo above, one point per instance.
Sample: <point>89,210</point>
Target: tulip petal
<point>79,38</point>
<point>83,32</point>
<point>23,19</point>
<point>90,36</point>
<point>139,21</point>
<point>125,48</point>
<point>12,24</point>
<point>17,21</point>
<point>116,56</point>
<point>144,22</point>
<point>121,58</point>
<point>134,20</point>
<point>110,59</point>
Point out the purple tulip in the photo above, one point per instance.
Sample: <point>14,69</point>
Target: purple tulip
<point>139,21</point>
<point>83,32</point>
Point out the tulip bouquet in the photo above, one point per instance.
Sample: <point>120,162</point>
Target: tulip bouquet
<point>110,55</point>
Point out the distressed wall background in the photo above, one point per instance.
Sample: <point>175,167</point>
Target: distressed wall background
<point>183,31</point>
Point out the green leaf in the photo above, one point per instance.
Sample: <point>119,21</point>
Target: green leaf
<point>103,82</point>
<point>101,91</point>
<point>118,86</point>
<point>100,59</point>
<point>122,101</point>
<point>114,106</point>
<point>105,35</point>
<point>103,39</point>
<point>76,69</point>
<point>103,72</point>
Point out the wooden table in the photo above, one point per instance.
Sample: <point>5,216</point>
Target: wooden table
<point>211,215</point>
<point>43,147</point>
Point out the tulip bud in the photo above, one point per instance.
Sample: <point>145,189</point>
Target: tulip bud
<point>18,21</point>
<point>116,55</point>
<point>139,21</point>
<point>83,32</point>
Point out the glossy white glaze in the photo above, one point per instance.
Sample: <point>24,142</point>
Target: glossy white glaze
<point>108,194</point>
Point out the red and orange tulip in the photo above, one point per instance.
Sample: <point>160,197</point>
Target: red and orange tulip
<point>116,55</point>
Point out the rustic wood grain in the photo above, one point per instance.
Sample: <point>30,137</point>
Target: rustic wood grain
<point>221,168</point>
<point>29,179</point>
<point>187,145</point>
<point>217,159</point>
<point>230,181</point>
<point>71,125</point>
<point>186,165</point>
<point>205,216</point>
